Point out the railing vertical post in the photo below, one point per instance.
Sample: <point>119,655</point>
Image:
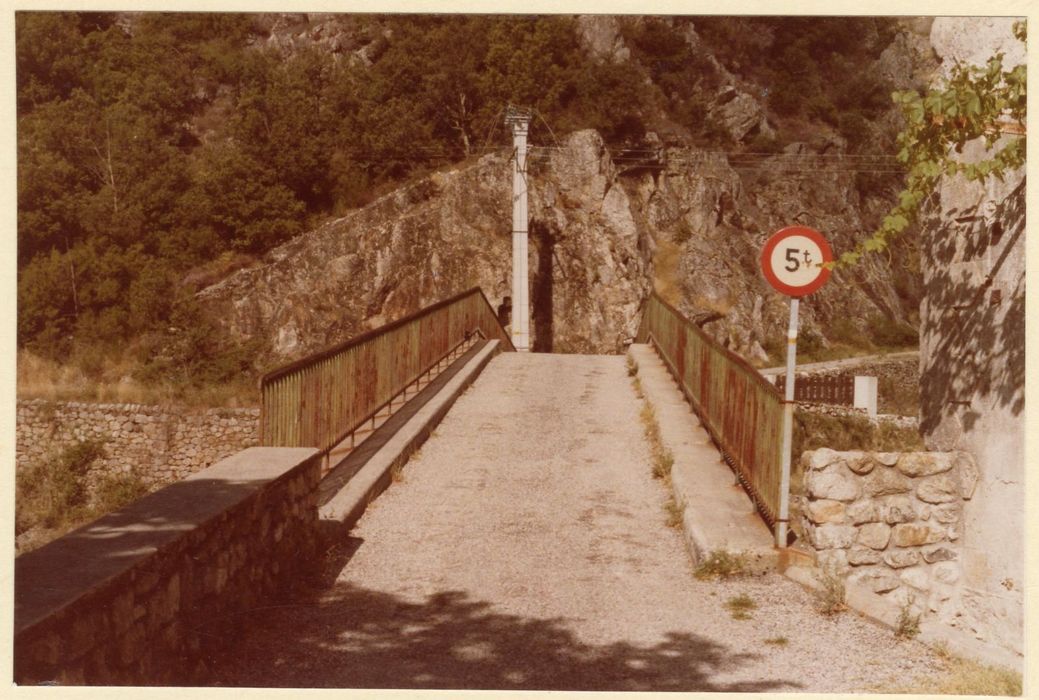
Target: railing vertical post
<point>788,427</point>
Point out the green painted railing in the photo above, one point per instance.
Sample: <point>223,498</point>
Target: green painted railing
<point>741,410</point>
<point>319,400</point>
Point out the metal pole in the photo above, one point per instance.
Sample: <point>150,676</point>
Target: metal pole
<point>788,427</point>
<point>519,121</point>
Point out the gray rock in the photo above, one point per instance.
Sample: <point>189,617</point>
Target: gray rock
<point>886,481</point>
<point>877,581</point>
<point>899,559</point>
<point>859,556</point>
<point>943,488</point>
<point>916,534</point>
<point>833,485</point>
<point>938,554</point>
<point>864,511</point>
<point>916,464</point>
<point>897,509</point>
<point>830,536</point>
<point>874,535</point>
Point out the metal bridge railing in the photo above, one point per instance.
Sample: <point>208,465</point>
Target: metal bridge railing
<point>320,400</point>
<point>741,410</point>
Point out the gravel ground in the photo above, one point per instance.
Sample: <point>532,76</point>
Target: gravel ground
<point>526,547</point>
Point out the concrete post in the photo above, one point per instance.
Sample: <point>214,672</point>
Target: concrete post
<point>866,395</point>
<point>519,120</point>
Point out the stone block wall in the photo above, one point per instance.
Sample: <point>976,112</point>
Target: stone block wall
<point>163,443</point>
<point>143,596</point>
<point>891,522</point>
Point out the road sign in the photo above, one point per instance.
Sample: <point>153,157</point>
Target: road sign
<point>791,260</point>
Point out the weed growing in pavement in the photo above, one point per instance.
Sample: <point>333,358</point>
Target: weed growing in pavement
<point>675,511</point>
<point>908,625</point>
<point>397,473</point>
<point>834,595</point>
<point>740,606</point>
<point>777,641</point>
<point>633,367</point>
<point>721,564</point>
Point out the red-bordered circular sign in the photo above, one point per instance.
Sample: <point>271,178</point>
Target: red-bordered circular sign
<point>792,259</point>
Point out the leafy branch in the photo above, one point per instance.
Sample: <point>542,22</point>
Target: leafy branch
<point>975,101</point>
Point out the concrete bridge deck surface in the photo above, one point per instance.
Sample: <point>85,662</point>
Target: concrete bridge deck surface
<point>525,547</point>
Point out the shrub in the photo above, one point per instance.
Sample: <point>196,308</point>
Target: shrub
<point>53,492</point>
<point>888,332</point>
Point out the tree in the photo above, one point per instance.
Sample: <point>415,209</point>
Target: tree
<point>975,102</point>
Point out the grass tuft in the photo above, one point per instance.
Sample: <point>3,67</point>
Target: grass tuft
<point>740,606</point>
<point>675,511</point>
<point>908,625</point>
<point>721,564</point>
<point>834,595</point>
<point>777,641</point>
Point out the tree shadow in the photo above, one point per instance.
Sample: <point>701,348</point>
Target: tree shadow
<point>353,637</point>
<point>975,326</point>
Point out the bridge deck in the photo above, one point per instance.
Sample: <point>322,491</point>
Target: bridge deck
<point>526,547</point>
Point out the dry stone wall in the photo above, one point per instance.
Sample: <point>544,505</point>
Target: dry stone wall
<point>163,444</point>
<point>891,522</point>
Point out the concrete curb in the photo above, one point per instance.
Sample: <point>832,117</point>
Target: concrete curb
<point>339,511</point>
<point>717,513</point>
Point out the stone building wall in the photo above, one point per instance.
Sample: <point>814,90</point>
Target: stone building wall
<point>162,444</point>
<point>892,523</point>
<point>972,347</point>
<point>160,584</point>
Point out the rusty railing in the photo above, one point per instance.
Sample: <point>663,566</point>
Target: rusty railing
<point>741,410</point>
<point>320,400</point>
<point>838,390</point>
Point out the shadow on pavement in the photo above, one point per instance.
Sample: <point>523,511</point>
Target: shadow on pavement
<point>351,637</point>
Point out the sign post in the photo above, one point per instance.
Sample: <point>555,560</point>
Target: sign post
<point>792,262</point>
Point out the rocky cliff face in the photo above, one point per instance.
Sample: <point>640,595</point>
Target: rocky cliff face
<point>606,227</point>
<point>603,235</point>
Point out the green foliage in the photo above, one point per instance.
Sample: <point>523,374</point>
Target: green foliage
<point>53,493</point>
<point>813,430</point>
<point>974,102</point>
<point>889,333</point>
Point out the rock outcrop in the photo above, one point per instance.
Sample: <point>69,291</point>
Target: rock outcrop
<point>602,236</point>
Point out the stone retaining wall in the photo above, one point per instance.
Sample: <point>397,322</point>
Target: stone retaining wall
<point>891,522</point>
<point>142,596</point>
<point>163,444</point>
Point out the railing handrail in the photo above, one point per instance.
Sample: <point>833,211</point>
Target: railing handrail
<point>342,346</point>
<point>729,354</point>
<point>740,409</point>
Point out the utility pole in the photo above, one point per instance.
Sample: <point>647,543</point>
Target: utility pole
<point>519,120</point>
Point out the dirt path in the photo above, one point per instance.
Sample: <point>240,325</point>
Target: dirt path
<point>526,547</point>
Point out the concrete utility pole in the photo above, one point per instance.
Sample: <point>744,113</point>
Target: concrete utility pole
<point>519,120</point>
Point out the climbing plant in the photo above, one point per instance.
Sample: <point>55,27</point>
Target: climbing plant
<point>975,101</point>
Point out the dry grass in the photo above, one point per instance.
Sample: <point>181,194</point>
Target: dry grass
<point>740,606</point>
<point>114,382</point>
<point>834,595</point>
<point>908,625</point>
<point>962,677</point>
<point>675,512</point>
<point>777,641</point>
<point>666,281</point>
<point>721,564</point>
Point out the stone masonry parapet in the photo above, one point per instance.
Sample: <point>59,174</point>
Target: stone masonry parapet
<point>139,596</point>
<point>891,522</point>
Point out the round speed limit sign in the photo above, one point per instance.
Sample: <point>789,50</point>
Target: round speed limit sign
<point>792,260</point>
